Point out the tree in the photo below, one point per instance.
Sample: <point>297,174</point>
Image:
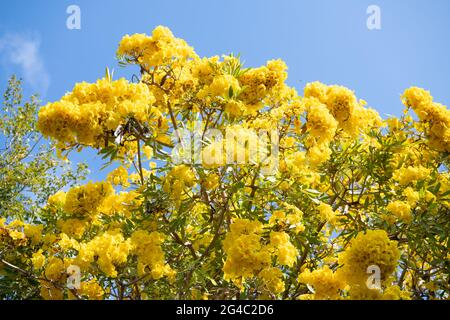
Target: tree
<point>230,184</point>
<point>29,174</point>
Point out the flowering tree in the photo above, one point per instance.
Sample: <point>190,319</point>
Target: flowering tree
<point>229,184</point>
<point>29,174</point>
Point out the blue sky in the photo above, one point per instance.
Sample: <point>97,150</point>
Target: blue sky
<point>325,40</point>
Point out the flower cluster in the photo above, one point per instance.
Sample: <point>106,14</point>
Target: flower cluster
<point>178,180</point>
<point>282,248</point>
<point>259,82</point>
<point>411,174</point>
<point>83,201</point>
<point>246,254</point>
<point>273,279</point>
<point>147,247</point>
<point>400,209</point>
<point>249,255</point>
<point>161,48</point>
<point>333,111</point>
<point>92,111</point>
<point>290,218</point>
<point>12,233</point>
<point>341,102</point>
<point>215,224</point>
<point>326,283</point>
<point>435,116</point>
<point>108,250</point>
<point>327,213</point>
<point>372,248</point>
<point>119,176</point>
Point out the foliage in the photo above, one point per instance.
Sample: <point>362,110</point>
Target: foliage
<point>351,190</point>
<point>29,174</point>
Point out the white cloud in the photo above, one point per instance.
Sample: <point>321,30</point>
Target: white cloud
<point>23,51</point>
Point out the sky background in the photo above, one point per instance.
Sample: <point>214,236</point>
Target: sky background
<point>324,40</point>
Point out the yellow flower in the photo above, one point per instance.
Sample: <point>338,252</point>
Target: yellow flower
<point>283,248</point>
<point>16,235</point>
<point>160,48</point>
<point>16,224</point>
<point>411,196</point>
<point>211,182</point>
<point>178,179</point>
<point>411,174</point>
<point>90,110</point>
<point>367,249</point>
<point>321,123</point>
<point>414,97</point>
<point>435,117</point>
<point>290,218</point>
<point>33,232</point>
<point>235,108</point>
<point>395,293</point>
<point>57,200</point>
<point>316,90</point>
<point>273,279</point>
<point>119,176</point>
<point>85,200</point>
<point>259,82</point>
<point>400,209</point>
<point>55,268</point>
<point>147,247</point>
<point>72,227</point>
<point>350,113</point>
<point>326,283</point>
<point>246,255</point>
<point>327,213</point>
<point>91,289</point>
<point>110,248</point>
<point>38,260</point>
<point>317,155</point>
<point>221,85</point>
<point>148,151</point>
<point>67,243</point>
<point>48,291</point>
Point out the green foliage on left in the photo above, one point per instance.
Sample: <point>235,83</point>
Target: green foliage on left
<point>29,173</point>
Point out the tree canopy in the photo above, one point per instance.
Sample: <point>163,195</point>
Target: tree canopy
<point>228,183</point>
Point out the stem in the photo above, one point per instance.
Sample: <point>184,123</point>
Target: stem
<point>305,253</point>
<point>211,244</point>
<point>34,277</point>
<point>140,161</point>
<point>402,277</point>
<point>178,240</point>
<point>253,187</point>
<point>174,122</point>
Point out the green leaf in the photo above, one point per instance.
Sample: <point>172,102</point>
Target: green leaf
<point>230,92</point>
